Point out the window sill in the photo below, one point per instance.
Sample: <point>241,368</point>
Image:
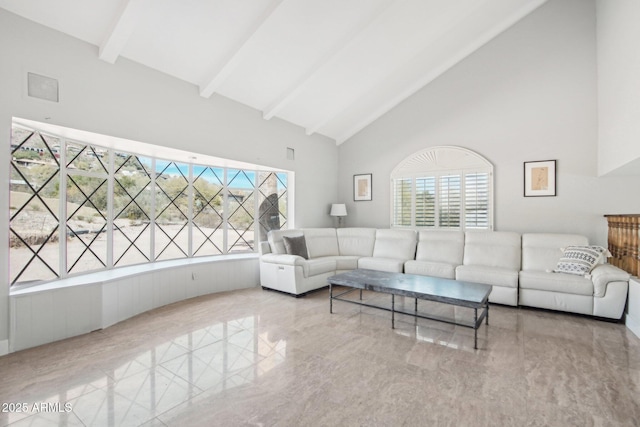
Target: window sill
<point>123,272</point>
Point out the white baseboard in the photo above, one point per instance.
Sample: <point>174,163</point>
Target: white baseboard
<point>4,347</point>
<point>633,324</point>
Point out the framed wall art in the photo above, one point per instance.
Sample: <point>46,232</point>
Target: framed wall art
<point>362,187</point>
<point>540,178</point>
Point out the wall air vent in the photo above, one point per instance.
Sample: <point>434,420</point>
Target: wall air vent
<point>42,87</point>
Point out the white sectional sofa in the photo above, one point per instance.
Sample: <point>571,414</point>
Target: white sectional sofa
<point>519,267</point>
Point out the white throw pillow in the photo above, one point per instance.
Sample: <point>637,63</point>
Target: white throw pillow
<point>580,260</point>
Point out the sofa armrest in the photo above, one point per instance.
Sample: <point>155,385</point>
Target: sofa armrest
<point>603,274</point>
<point>283,259</point>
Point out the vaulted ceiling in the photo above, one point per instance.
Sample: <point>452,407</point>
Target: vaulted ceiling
<point>329,66</point>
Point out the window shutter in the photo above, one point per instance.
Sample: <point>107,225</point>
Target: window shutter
<point>449,201</point>
<point>426,202</point>
<point>476,203</point>
<point>442,187</point>
<point>402,202</point>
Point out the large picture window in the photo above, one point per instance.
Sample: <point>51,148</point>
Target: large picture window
<point>76,207</point>
<point>444,188</point>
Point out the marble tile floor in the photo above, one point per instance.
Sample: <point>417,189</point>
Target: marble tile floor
<point>255,357</point>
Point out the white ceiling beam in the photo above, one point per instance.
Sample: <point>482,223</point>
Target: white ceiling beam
<point>121,30</point>
<point>332,55</point>
<point>212,84</point>
<point>433,74</point>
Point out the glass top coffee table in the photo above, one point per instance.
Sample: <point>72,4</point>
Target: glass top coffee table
<point>448,291</point>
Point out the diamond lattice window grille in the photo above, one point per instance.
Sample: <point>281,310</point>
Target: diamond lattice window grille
<point>86,158</point>
<point>172,209</point>
<point>241,205</point>
<point>131,210</point>
<point>208,218</point>
<point>120,209</point>
<point>86,223</point>
<point>34,222</point>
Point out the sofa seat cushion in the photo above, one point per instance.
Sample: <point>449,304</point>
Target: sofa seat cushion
<point>489,275</point>
<point>345,262</point>
<point>315,266</point>
<point>391,265</point>
<point>430,268</point>
<point>556,282</point>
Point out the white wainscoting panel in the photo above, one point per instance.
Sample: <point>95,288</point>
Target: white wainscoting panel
<point>41,315</point>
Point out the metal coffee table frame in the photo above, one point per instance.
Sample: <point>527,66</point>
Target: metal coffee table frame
<point>448,291</point>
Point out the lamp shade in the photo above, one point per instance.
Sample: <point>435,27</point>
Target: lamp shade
<point>338,209</point>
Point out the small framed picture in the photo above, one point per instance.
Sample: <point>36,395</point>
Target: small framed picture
<point>540,178</point>
<point>362,187</point>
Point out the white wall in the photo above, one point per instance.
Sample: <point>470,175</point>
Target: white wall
<point>529,94</point>
<point>131,101</point>
<point>618,32</point>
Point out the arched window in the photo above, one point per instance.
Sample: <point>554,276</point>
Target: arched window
<point>443,187</point>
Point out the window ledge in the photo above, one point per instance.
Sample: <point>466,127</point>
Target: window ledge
<point>119,273</point>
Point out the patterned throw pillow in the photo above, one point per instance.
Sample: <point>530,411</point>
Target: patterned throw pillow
<point>296,246</point>
<point>580,260</point>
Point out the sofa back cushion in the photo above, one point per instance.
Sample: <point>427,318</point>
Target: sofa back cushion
<point>396,244</point>
<point>440,246</point>
<point>356,241</point>
<point>275,239</point>
<point>321,242</point>
<point>542,251</point>
<point>492,249</point>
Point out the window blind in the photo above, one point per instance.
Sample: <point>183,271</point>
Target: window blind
<point>426,201</point>
<point>402,202</point>
<point>476,200</point>
<point>449,201</point>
